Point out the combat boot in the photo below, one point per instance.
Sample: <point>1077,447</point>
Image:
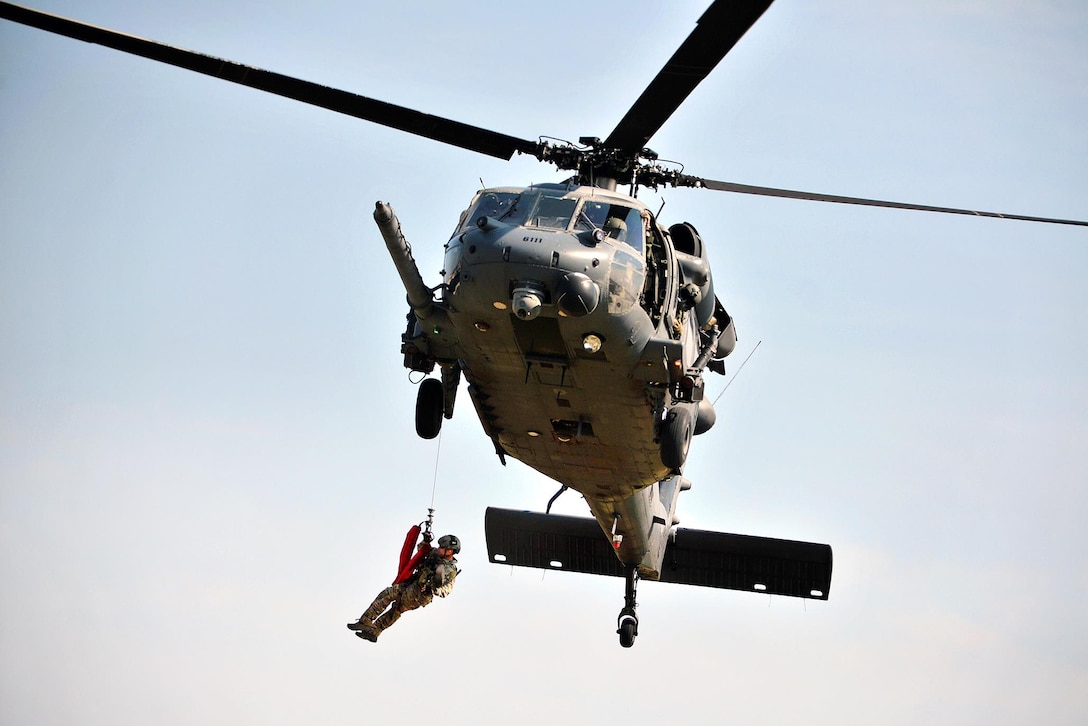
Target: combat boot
<point>360,624</point>
<point>368,633</point>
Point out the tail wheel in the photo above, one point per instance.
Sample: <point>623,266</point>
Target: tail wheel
<point>429,407</point>
<point>676,431</point>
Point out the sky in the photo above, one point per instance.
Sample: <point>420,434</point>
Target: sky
<point>207,452</point>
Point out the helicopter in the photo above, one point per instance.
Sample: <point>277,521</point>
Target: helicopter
<point>583,326</point>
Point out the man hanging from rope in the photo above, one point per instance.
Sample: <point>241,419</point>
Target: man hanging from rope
<point>430,572</point>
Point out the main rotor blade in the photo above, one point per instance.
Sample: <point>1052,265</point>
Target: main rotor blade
<point>722,186</point>
<point>717,31</point>
<point>437,128</point>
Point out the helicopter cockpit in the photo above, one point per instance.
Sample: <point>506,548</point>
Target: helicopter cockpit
<point>555,209</point>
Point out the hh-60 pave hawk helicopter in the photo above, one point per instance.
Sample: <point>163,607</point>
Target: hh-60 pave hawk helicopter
<point>583,327</point>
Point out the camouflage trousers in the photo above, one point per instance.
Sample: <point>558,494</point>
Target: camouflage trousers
<point>391,603</point>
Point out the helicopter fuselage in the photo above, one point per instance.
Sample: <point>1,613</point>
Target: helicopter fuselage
<point>578,326</point>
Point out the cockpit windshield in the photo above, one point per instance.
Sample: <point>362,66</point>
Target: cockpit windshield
<point>497,205</point>
<point>550,209</point>
<point>623,224</point>
<point>544,209</point>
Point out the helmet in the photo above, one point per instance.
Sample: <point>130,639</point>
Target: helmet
<point>450,542</point>
<point>616,228</point>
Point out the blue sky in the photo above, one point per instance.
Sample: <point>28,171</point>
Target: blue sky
<point>207,457</point>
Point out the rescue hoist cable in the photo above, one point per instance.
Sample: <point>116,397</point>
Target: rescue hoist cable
<point>739,369</point>
<point>429,522</point>
<point>434,485</point>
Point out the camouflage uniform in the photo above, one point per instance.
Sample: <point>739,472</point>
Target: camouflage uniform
<point>434,577</point>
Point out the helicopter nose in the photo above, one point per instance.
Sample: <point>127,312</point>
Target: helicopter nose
<point>527,302</point>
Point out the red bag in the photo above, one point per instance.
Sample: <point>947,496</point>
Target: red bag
<point>408,562</point>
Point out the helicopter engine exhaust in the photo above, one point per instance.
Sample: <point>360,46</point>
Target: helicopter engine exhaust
<point>420,297</point>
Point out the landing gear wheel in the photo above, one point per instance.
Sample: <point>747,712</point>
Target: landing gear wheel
<point>429,407</point>
<point>628,630</point>
<point>676,432</point>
